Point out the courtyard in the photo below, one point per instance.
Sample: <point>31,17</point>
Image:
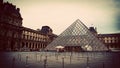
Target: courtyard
<point>60,60</point>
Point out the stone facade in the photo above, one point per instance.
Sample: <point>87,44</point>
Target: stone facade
<point>35,40</point>
<point>10,26</point>
<point>112,41</point>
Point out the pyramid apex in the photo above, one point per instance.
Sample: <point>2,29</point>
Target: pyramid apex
<point>78,20</point>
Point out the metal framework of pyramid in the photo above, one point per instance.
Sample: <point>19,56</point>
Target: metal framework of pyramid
<point>77,34</point>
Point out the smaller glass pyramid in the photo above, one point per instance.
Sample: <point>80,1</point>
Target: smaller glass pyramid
<point>77,34</point>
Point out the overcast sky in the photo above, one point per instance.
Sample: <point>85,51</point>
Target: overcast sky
<point>59,14</point>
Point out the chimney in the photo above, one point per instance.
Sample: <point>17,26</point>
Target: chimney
<point>93,30</point>
<point>18,9</point>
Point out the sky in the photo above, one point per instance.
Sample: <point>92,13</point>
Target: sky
<point>59,14</point>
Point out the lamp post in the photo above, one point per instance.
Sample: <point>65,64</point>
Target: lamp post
<point>13,63</point>
<point>87,62</point>
<point>62,62</point>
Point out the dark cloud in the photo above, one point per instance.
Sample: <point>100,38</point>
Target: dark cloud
<point>117,16</point>
<point>117,2</point>
<point>118,22</point>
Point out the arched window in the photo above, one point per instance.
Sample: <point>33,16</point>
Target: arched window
<point>113,39</point>
<point>106,40</point>
<point>29,45</point>
<point>23,44</point>
<point>26,44</point>
<point>116,39</point>
<point>109,39</point>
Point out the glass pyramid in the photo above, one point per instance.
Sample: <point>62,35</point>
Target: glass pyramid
<point>77,34</point>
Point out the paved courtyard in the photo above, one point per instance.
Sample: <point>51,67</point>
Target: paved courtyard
<point>59,60</point>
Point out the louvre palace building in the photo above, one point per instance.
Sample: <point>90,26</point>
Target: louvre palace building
<point>15,37</point>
